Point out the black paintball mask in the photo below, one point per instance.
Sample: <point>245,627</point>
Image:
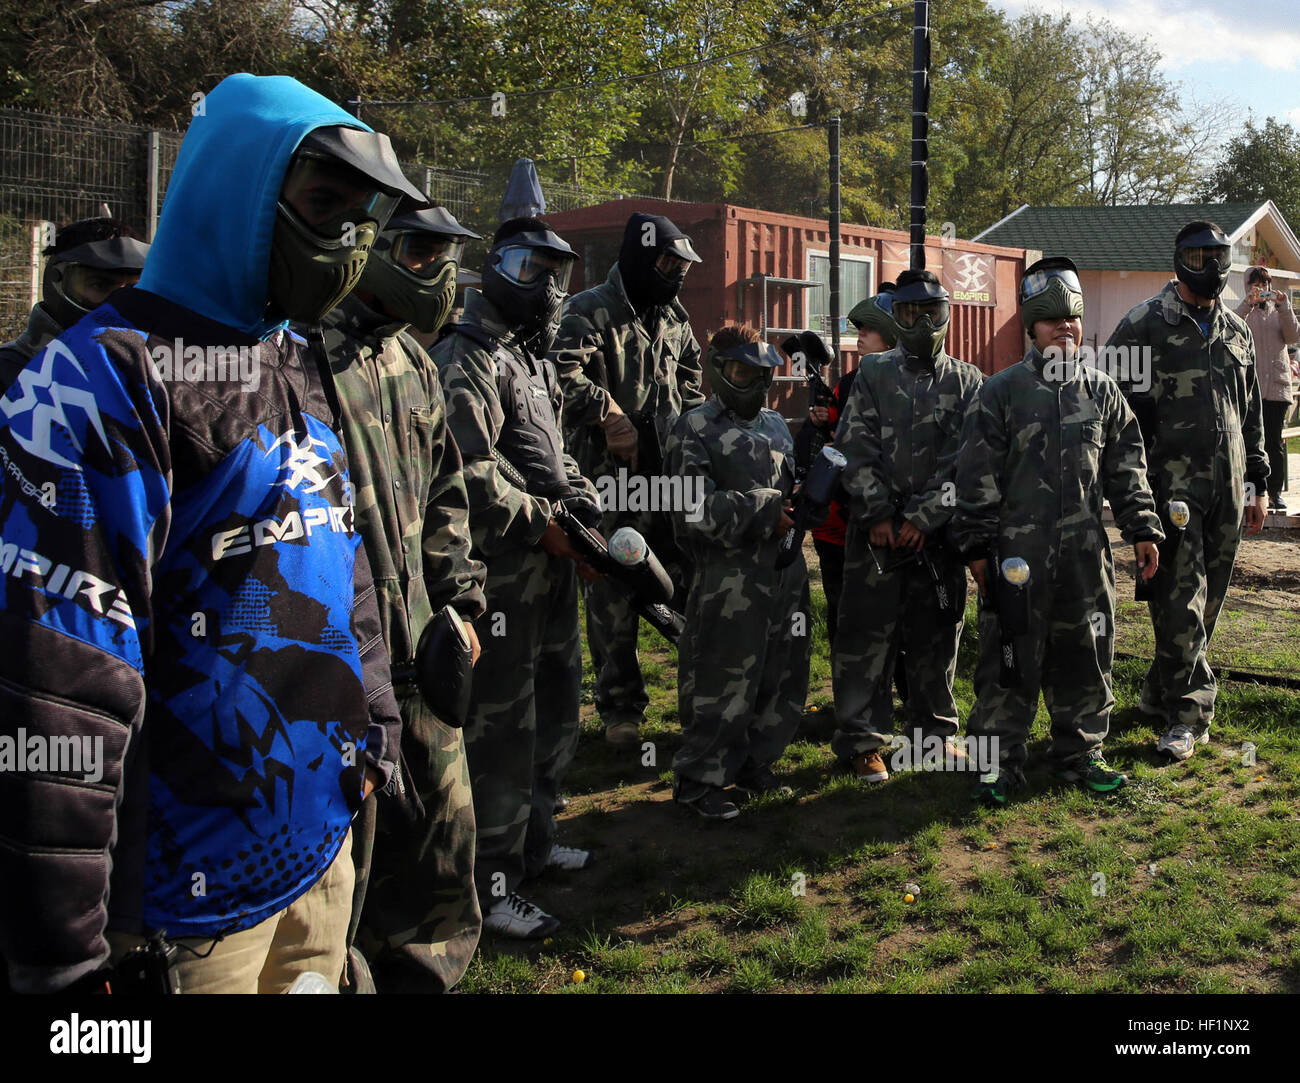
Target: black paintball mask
<point>527,278</point>
<point>339,192</point>
<point>742,375</point>
<point>79,280</point>
<point>654,260</point>
<point>1202,260</point>
<point>921,310</point>
<point>412,268</point>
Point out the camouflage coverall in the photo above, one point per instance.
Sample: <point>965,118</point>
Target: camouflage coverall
<point>605,350</point>
<point>1202,421</point>
<point>523,728</point>
<point>900,430</point>
<point>1041,449</point>
<point>420,922</point>
<point>742,674</point>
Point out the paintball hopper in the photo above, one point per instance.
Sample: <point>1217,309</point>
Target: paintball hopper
<point>1013,616</point>
<point>631,551</point>
<point>814,499</point>
<point>1177,516</point>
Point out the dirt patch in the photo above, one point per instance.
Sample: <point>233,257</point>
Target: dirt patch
<point>1269,564</point>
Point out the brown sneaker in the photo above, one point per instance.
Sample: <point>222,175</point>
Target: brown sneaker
<point>622,733</point>
<point>870,767</point>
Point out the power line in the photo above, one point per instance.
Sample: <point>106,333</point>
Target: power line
<point>738,137</point>
<point>889,9</point>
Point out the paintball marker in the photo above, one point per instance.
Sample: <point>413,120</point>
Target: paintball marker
<point>628,560</point>
<point>812,502</point>
<point>1176,518</point>
<point>808,354</point>
<point>947,602</point>
<point>1008,597</point>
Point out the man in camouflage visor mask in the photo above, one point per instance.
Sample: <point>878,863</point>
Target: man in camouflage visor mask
<point>87,262</point>
<point>415,911</point>
<point>629,365</point>
<point>742,376</point>
<point>1192,383</point>
<point>411,273</point>
<point>1046,442</point>
<point>743,670</point>
<point>921,310</point>
<point>341,188</point>
<point>900,430</point>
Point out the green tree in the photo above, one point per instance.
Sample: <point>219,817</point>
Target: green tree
<point>1261,163</point>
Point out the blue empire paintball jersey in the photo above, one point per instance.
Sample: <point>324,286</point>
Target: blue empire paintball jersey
<point>182,589</point>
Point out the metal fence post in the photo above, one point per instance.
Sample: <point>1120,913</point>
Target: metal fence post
<point>151,184</point>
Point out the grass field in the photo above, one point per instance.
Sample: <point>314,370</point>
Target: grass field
<point>1186,881</point>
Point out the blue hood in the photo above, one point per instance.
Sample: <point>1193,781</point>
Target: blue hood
<point>213,245</point>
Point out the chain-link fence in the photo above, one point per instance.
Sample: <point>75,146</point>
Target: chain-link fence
<point>61,169</point>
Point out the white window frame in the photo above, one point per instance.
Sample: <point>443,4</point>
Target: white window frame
<point>853,257</point>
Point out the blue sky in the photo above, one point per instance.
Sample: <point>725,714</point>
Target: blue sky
<point>1246,54</point>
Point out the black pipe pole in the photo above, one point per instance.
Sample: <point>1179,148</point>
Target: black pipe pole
<point>920,129</point>
<point>833,137</point>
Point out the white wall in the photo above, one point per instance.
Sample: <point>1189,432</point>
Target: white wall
<point>1108,295</point>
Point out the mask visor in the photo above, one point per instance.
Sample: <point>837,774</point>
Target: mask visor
<point>424,254</point>
<point>524,266</point>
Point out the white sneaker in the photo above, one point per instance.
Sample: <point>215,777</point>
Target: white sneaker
<point>516,917</point>
<point>568,858</point>
<point>1179,743</point>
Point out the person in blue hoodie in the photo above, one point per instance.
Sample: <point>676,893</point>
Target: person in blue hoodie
<point>194,695</point>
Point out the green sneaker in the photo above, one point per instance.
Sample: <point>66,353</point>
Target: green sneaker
<point>1092,771</point>
<point>998,785</point>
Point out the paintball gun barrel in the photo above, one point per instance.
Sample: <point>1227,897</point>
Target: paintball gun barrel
<point>627,561</point>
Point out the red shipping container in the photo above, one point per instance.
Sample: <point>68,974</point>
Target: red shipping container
<point>742,246</point>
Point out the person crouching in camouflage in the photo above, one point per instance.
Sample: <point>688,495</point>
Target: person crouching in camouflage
<point>1048,439</point>
<point>743,656</point>
<point>416,908</point>
<point>503,406</point>
<point>904,589</point>
<point>1191,381</point>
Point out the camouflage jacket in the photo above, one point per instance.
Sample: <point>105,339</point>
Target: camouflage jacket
<point>502,517</point>
<point>736,478</point>
<point>411,505</point>
<point>41,328</point>
<point>1040,450</point>
<point>1195,398</point>
<point>604,350</point>
<point>900,431</point>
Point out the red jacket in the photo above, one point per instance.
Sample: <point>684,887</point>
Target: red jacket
<point>833,530</point>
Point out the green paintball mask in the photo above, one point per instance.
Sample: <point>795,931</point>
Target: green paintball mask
<point>339,192</point>
<point>1050,290</point>
<point>742,375</point>
<point>877,314</point>
<point>921,311</point>
<point>412,269</point>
